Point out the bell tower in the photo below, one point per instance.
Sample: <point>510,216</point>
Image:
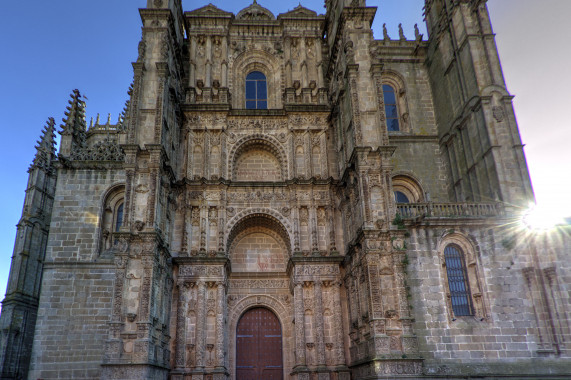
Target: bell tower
<point>475,117</point>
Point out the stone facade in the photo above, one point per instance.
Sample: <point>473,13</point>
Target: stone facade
<point>142,244</point>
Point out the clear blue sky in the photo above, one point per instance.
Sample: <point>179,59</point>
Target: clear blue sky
<point>51,47</point>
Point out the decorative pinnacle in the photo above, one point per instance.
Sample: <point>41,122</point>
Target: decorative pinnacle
<point>74,128</point>
<point>75,115</point>
<point>46,146</point>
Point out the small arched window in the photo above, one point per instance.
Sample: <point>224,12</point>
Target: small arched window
<point>406,190</point>
<point>458,283</point>
<point>391,109</point>
<point>111,219</point>
<point>119,217</point>
<point>400,197</point>
<point>256,91</point>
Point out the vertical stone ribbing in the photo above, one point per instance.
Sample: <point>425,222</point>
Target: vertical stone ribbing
<point>376,73</point>
<point>200,324</point>
<point>318,315</point>
<point>299,325</point>
<point>220,341</point>
<point>340,349</point>
<point>181,326</point>
<point>404,311</point>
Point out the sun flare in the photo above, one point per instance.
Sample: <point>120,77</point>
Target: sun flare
<point>541,218</point>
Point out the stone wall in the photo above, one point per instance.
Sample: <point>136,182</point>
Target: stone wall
<point>72,323</point>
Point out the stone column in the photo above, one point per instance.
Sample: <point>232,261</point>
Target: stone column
<point>220,297</point>
<point>299,325</point>
<point>319,58</point>
<point>332,244</point>
<point>318,315</point>
<point>287,60</point>
<point>181,325</point>
<point>200,324</point>
<point>312,224</point>
<point>340,349</point>
<point>192,70</point>
<point>224,64</point>
<point>208,62</point>
<point>303,60</point>
<point>376,70</point>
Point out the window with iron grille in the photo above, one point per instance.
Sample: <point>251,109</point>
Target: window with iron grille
<point>458,281</point>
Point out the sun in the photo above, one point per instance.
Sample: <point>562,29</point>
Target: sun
<point>542,218</point>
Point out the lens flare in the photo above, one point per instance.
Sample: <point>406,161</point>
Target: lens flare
<point>540,218</point>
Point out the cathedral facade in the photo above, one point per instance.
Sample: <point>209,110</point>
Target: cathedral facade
<point>288,198</point>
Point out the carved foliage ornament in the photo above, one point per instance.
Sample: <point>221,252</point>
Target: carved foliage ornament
<point>105,150</point>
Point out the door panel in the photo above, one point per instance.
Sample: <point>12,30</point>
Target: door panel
<point>259,346</point>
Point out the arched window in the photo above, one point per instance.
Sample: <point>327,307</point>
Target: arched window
<point>458,283</point>
<point>256,91</point>
<point>400,197</point>
<point>391,109</point>
<point>407,190</point>
<point>119,217</point>
<point>111,219</point>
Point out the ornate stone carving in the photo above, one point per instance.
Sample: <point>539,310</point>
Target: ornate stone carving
<point>106,150</point>
<point>313,270</point>
<point>259,284</point>
<point>200,270</point>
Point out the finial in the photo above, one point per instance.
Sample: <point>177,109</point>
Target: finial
<point>91,122</point>
<point>97,120</point>
<point>108,119</point>
<point>401,33</point>
<point>385,33</point>
<point>417,34</point>
<point>255,2</point>
<point>45,148</point>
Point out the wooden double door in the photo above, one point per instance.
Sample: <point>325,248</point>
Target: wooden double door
<point>259,346</point>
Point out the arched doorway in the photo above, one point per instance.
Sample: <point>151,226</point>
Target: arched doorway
<point>259,346</point>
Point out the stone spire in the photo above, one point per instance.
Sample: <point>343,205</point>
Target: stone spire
<point>74,127</point>
<point>45,148</point>
<point>20,306</point>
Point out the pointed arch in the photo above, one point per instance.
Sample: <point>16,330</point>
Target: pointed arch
<point>111,216</point>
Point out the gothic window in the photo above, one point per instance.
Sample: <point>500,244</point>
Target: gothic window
<point>119,218</point>
<point>391,109</point>
<point>111,218</point>
<point>256,91</point>
<point>457,281</point>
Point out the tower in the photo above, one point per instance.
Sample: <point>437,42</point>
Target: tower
<point>20,307</point>
<point>480,137</point>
